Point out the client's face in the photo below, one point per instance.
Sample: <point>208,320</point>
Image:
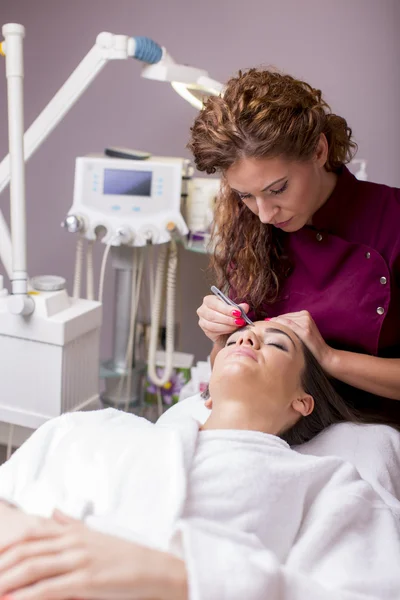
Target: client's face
<point>260,367</point>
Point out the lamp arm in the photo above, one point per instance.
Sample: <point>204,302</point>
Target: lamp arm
<point>107,47</point>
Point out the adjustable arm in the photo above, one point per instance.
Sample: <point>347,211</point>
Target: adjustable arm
<point>107,47</point>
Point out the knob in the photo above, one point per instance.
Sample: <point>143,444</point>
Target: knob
<point>125,235</point>
<point>150,233</point>
<point>73,224</point>
<point>171,227</point>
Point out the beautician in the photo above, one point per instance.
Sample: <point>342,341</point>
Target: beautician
<point>298,238</point>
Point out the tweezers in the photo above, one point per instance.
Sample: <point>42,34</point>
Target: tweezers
<point>227,300</point>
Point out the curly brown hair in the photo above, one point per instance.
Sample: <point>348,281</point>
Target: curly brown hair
<point>262,114</point>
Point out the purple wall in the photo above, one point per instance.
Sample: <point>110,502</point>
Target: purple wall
<point>348,48</point>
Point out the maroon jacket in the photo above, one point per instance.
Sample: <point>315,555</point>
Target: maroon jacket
<point>346,273</point>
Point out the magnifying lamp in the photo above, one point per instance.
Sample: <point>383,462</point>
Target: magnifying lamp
<point>192,84</point>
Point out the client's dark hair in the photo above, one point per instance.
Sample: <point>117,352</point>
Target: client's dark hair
<point>329,407</point>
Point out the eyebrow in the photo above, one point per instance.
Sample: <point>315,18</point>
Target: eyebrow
<point>274,330</point>
<point>271,330</point>
<point>266,188</point>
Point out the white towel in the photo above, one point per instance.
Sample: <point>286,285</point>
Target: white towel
<point>115,471</point>
<point>304,527</point>
<point>263,521</point>
<point>374,450</point>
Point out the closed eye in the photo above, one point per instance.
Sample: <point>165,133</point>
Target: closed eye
<point>277,345</point>
<point>280,346</point>
<point>244,196</point>
<point>281,190</point>
<point>273,192</point>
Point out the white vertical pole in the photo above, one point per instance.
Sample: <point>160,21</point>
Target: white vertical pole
<point>14,34</point>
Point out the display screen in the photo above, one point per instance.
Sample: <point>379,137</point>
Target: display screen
<point>121,182</point>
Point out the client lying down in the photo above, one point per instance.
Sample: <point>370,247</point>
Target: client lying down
<point>222,511</point>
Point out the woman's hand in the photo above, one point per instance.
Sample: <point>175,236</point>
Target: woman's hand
<point>217,319</point>
<point>85,564</point>
<point>17,526</point>
<point>304,326</point>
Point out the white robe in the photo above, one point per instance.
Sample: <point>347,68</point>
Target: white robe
<point>251,518</point>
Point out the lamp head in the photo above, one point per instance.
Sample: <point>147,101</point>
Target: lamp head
<point>193,84</point>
